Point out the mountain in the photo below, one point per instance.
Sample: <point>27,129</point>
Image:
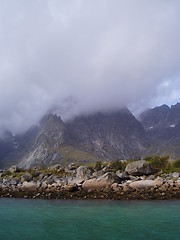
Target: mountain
<point>161,117</point>
<point>100,136</point>
<point>162,125</point>
<point>108,135</point>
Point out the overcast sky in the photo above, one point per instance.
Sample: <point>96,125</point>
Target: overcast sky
<point>86,55</point>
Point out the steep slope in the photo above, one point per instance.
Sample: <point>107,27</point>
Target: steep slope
<point>162,125</point>
<point>49,136</point>
<point>155,118</point>
<point>161,117</point>
<point>99,136</point>
<point>114,135</point>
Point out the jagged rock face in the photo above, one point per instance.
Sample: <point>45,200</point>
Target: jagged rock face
<point>161,117</point>
<point>115,135</point>
<point>162,126</point>
<point>100,136</point>
<point>108,135</point>
<point>50,136</point>
<point>154,118</point>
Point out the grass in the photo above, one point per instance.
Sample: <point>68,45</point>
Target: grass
<point>70,154</point>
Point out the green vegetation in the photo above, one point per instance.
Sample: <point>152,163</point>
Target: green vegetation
<point>98,166</point>
<point>176,164</point>
<point>159,163</point>
<point>71,154</point>
<point>118,165</point>
<point>162,164</point>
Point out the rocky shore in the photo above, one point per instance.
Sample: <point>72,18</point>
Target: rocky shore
<point>137,181</point>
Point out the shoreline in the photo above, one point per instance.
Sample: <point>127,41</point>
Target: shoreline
<point>136,182</point>
<point>146,195</point>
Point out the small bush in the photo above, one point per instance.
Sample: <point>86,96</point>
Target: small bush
<point>98,166</point>
<point>176,164</point>
<point>115,166</point>
<point>158,163</point>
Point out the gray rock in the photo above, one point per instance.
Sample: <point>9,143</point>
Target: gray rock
<point>13,169</point>
<point>27,177</point>
<point>110,178</point>
<point>122,175</point>
<point>41,176</point>
<point>5,183</point>
<point>142,184</point>
<point>56,167</point>
<point>133,178</point>
<point>35,174</point>
<point>56,179</point>
<point>139,168</point>
<point>98,173</point>
<point>75,180</point>
<point>14,182</point>
<point>103,181</point>
<point>44,185</point>
<point>50,179</point>
<point>71,188</point>
<point>83,172</point>
<point>175,175</point>
<point>151,177</point>
<point>29,186</point>
<point>115,187</point>
<point>158,181</point>
<point>72,166</point>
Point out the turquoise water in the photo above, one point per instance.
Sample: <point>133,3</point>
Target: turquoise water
<point>89,220</point>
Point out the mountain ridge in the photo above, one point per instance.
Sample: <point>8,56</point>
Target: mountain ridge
<point>99,136</point>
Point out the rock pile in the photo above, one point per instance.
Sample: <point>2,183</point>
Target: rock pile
<point>137,182</point>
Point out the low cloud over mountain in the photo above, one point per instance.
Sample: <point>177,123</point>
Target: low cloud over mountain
<point>84,56</point>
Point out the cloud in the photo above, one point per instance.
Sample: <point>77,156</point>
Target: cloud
<point>83,56</point>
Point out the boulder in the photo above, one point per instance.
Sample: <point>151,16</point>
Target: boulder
<point>13,169</point>
<point>115,187</point>
<point>72,166</point>
<point>97,184</point>
<point>142,184</point>
<point>50,179</point>
<point>171,183</point>
<point>71,188</point>
<point>27,177</point>
<point>83,172</point>
<point>158,181</point>
<point>126,188</point>
<point>75,180</point>
<point>139,168</point>
<point>5,183</point>
<point>29,186</point>
<point>56,167</point>
<point>178,183</point>
<point>97,174</point>
<point>35,174</point>
<point>122,175</point>
<point>14,182</point>
<point>109,178</point>
<point>175,175</point>
<point>44,185</point>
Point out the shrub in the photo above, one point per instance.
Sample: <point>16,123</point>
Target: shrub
<point>176,164</point>
<point>115,166</point>
<point>158,163</point>
<point>98,166</point>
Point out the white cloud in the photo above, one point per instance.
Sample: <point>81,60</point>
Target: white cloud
<point>102,54</point>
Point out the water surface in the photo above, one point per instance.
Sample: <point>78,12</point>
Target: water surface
<point>89,220</point>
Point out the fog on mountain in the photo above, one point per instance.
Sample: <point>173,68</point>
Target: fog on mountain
<point>102,55</point>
